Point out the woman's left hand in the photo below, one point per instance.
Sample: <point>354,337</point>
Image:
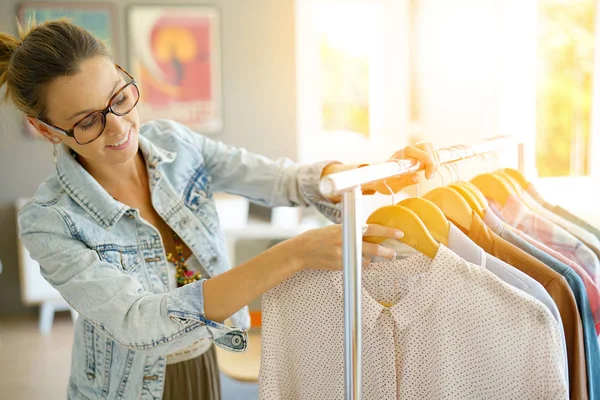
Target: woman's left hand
<point>423,152</point>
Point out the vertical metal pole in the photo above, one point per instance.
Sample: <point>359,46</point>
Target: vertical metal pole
<point>352,250</point>
<point>521,157</point>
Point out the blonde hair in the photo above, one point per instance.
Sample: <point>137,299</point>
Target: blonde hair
<point>39,54</point>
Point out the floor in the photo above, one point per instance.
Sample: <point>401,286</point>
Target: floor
<point>37,367</point>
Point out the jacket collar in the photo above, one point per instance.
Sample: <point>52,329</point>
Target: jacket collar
<point>89,194</point>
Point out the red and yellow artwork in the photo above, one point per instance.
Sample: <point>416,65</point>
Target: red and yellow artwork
<point>175,57</point>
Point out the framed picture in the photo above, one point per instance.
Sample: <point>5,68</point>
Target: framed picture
<point>174,54</point>
<point>98,18</point>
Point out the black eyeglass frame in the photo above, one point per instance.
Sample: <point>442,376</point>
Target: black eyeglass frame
<point>71,132</point>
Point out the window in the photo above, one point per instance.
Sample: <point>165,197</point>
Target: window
<point>565,46</point>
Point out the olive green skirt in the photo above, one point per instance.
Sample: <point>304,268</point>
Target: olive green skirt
<point>195,379</point>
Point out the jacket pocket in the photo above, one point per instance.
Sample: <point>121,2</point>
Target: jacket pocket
<point>126,260</point>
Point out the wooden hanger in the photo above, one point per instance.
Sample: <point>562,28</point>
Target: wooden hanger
<point>416,234</point>
<point>493,188</point>
<point>453,205</point>
<point>521,193</point>
<point>517,176</point>
<point>515,187</point>
<point>455,184</point>
<point>434,219</point>
<point>469,197</point>
<point>475,192</point>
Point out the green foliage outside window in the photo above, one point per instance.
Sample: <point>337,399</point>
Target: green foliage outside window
<point>564,88</point>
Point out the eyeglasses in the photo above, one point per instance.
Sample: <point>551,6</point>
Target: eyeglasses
<point>91,127</point>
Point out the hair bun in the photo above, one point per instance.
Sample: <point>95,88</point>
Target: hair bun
<point>8,45</point>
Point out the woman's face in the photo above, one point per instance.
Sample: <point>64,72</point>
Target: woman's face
<point>71,98</point>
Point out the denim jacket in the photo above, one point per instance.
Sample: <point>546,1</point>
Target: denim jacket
<point>110,265</point>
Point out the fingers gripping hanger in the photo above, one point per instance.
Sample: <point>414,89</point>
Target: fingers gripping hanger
<point>416,234</point>
<point>432,217</point>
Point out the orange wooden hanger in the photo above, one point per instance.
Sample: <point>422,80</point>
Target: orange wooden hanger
<point>434,219</point>
<point>416,234</point>
<point>453,205</point>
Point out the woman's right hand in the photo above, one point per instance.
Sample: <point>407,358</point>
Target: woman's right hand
<point>322,248</point>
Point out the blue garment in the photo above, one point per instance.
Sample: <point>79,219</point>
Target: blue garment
<point>110,264</point>
<point>591,346</point>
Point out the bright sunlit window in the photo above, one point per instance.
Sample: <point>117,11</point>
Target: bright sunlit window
<point>565,49</point>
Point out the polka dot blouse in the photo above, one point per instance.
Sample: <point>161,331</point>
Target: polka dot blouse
<point>452,331</point>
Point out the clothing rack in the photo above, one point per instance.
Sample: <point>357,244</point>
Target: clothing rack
<point>348,184</point>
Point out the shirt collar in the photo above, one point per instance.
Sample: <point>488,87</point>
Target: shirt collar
<point>89,194</point>
<point>418,299</point>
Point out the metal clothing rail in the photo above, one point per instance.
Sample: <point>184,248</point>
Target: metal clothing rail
<point>348,184</point>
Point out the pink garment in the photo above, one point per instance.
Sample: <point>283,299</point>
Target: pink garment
<point>519,216</point>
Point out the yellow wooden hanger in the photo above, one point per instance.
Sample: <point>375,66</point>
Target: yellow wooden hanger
<point>434,219</point>
<point>515,187</point>
<point>493,188</point>
<point>471,200</point>
<point>469,197</point>
<point>416,234</point>
<point>521,194</point>
<point>453,205</point>
<point>523,183</point>
<point>517,176</point>
<point>475,192</point>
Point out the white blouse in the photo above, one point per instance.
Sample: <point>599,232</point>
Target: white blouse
<point>453,331</point>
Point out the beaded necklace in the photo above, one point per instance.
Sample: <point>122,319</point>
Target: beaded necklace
<point>182,274</point>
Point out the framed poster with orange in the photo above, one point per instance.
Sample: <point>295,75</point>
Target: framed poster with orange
<point>174,54</point>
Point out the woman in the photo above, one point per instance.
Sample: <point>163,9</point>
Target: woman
<point>126,230</point>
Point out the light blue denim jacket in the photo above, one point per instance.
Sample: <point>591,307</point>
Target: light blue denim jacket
<point>110,265</point>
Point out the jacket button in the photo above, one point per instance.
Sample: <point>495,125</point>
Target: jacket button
<point>236,340</point>
<point>90,376</point>
<point>183,222</point>
<point>151,377</point>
